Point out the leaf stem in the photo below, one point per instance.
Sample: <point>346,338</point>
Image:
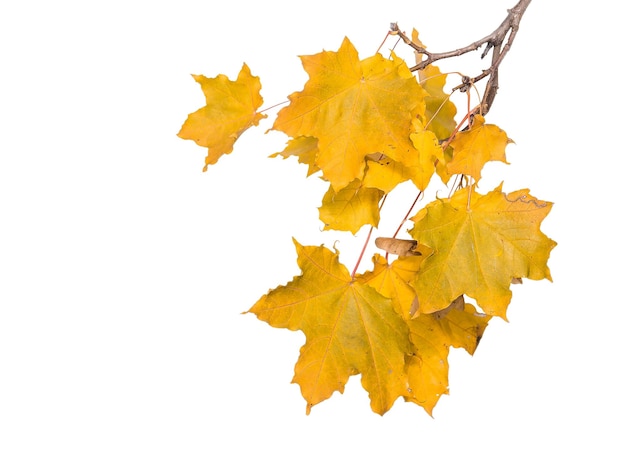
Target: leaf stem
<point>358,262</point>
<point>273,106</point>
<point>406,217</point>
<point>367,240</point>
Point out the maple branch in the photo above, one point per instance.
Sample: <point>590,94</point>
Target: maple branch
<point>494,41</point>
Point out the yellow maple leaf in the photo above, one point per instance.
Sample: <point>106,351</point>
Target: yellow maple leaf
<point>354,108</point>
<point>392,280</point>
<point>351,207</point>
<point>231,108</point>
<point>429,153</point>
<point>305,149</point>
<point>416,40</point>
<point>475,147</point>
<point>384,173</point>
<point>350,328</point>
<point>432,336</point>
<point>440,111</point>
<point>480,245</point>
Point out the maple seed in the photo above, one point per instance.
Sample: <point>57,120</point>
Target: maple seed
<point>399,247</point>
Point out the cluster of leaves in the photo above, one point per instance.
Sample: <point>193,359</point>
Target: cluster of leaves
<point>365,126</point>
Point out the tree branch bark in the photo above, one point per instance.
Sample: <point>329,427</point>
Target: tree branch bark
<point>496,41</point>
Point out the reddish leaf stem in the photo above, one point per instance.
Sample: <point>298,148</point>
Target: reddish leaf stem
<point>367,240</point>
<point>358,262</point>
<point>406,217</point>
<point>273,106</point>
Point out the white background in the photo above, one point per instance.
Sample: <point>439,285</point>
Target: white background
<point>124,268</point>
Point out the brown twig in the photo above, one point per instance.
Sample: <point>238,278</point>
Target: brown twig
<point>496,41</point>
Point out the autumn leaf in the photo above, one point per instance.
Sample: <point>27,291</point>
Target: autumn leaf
<point>351,207</point>
<point>384,173</point>
<point>354,108</point>
<point>416,40</point>
<point>231,108</point>
<point>429,153</point>
<point>305,149</point>
<point>464,326</point>
<point>392,280</point>
<point>441,168</point>
<point>350,328</point>
<point>440,111</point>
<point>368,125</point>
<point>475,147</point>
<point>432,336</point>
<point>480,245</point>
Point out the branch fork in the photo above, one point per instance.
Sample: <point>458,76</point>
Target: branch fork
<point>499,42</point>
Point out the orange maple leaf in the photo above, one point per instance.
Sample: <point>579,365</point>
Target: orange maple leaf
<point>354,108</point>
<point>350,328</point>
<point>480,244</point>
<point>231,108</point>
